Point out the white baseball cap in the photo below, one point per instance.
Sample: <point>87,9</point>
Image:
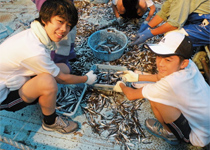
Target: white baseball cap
<point>173,43</point>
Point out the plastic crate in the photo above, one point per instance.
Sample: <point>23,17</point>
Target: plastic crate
<point>102,35</point>
<point>112,68</point>
<point>83,88</point>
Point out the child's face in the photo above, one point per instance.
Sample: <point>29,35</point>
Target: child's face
<point>57,28</point>
<point>168,65</point>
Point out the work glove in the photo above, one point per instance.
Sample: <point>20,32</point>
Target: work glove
<point>142,37</point>
<point>144,26</point>
<point>117,87</point>
<point>15,82</point>
<point>130,76</point>
<point>90,77</point>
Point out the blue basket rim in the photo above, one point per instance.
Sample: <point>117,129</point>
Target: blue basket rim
<point>106,51</point>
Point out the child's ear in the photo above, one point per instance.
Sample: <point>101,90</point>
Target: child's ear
<point>43,22</point>
<point>184,63</point>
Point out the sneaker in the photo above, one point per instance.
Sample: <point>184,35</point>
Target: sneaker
<point>61,125</point>
<point>155,128</point>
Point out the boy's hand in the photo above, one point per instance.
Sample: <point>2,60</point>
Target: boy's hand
<point>130,76</point>
<point>117,87</point>
<point>91,77</point>
<point>16,82</point>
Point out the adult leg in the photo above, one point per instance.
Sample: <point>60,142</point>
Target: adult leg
<point>198,29</point>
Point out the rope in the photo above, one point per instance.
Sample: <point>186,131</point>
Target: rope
<point>14,143</point>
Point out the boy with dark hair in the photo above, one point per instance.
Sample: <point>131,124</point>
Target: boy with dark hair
<point>65,47</point>
<point>27,73</point>
<point>132,9</point>
<point>179,96</point>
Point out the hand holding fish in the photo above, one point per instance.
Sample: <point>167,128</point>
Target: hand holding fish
<point>130,76</point>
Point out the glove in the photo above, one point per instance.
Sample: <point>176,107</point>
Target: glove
<point>16,82</point>
<point>144,26</point>
<point>117,87</point>
<point>120,20</point>
<point>130,76</point>
<point>91,77</point>
<point>142,37</point>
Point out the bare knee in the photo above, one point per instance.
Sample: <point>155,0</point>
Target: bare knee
<point>48,83</point>
<point>168,113</point>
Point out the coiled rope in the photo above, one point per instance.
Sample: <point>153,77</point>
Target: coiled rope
<point>14,143</point>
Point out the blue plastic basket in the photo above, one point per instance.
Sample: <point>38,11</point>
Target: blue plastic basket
<point>102,35</point>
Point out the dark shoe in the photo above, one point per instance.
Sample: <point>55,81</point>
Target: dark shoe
<point>61,125</point>
<point>155,128</point>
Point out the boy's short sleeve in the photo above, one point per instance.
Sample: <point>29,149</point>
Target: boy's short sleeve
<point>175,12</point>
<point>159,92</point>
<point>40,64</point>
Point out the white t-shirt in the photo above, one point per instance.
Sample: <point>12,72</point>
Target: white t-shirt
<point>188,91</point>
<point>23,54</point>
<point>148,2</point>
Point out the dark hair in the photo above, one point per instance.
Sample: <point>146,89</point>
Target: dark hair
<point>181,58</point>
<point>130,7</point>
<point>62,8</point>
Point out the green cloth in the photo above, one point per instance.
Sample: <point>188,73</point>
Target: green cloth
<point>176,12</point>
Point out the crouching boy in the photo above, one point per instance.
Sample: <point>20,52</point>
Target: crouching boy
<point>179,97</point>
<point>27,73</point>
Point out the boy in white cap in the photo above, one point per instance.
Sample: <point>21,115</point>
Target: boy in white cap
<point>179,97</point>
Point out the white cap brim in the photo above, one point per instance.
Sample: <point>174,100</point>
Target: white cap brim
<point>161,49</point>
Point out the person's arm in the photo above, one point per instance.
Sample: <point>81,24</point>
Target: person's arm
<point>114,8</point>
<point>166,27</point>
<point>151,12</point>
<point>150,78</point>
<point>130,93</point>
<point>130,76</point>
<point>70,79</point>
<point>41,64</point>
<point>156,20</point>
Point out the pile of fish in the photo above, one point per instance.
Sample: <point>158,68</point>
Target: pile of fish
<point>108,77</point>
<point>108,45</point>
<point>111,115</point>
<point>134,57</point>
<point>114,117</point>
<point>67,99</point>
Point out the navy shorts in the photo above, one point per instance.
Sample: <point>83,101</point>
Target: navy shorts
<point>14,102</point>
